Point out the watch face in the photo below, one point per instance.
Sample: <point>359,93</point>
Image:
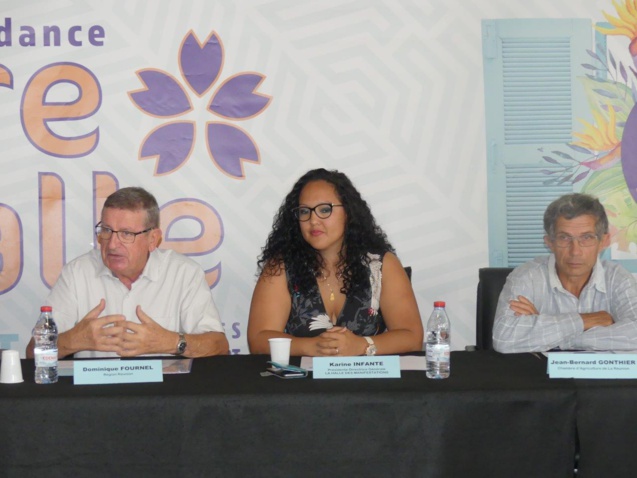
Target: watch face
<point>371,350</point>
<point>181,346</point>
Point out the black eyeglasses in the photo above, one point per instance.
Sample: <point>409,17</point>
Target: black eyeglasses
<point>322,211</point>
<point>585,240</point>
<point>127,237</point>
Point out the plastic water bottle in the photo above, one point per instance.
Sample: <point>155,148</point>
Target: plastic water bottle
<point>438,343</point>
<point>45,336</point>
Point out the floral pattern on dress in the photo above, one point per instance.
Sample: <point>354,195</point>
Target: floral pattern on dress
<point>321,321</point>
<point>360,313</point>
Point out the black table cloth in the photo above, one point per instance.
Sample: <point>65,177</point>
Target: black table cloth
<point>607,426</point>
<point>497,415</point>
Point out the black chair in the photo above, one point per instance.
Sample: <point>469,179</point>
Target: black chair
<point>490,283</point>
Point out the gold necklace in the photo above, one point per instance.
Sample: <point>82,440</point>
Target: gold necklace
<point>328,286</point>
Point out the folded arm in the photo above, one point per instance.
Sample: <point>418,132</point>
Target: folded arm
<point>519,327</point>
<point>616,329</point>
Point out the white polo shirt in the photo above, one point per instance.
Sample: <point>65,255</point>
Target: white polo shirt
<point>172,290</point>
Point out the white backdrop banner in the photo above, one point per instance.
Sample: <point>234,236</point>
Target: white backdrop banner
<point>218,106</point>
<point>90,103</point>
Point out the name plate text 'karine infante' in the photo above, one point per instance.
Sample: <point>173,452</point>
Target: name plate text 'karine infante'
<point>386,366</point>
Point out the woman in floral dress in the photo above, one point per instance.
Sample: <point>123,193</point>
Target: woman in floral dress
<point>329,278</point>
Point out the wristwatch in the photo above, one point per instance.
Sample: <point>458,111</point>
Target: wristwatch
<point>181,345</point>
<point>371,348</point>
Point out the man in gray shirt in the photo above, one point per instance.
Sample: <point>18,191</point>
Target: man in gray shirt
<point>571,299</point>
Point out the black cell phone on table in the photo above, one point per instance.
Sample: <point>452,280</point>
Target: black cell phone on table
<point>286,371</point>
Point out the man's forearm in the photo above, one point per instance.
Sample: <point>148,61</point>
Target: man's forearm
<point>206,344</point>
<point>597,319</point>
<point>66,345</point>
<point>63,348</point>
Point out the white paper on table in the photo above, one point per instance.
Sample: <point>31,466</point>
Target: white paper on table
<point>407,362</point>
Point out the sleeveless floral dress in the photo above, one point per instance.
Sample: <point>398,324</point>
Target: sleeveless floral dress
<point>360,313</point>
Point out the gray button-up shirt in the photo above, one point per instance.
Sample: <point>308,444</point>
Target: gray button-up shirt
<point>611,288</point>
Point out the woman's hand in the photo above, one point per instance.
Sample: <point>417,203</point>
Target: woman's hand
<point>340,341</point>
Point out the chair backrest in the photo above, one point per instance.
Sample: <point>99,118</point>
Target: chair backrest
<point>490,283</point>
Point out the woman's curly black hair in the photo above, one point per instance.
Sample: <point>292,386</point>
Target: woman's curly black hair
<point>286,247</point>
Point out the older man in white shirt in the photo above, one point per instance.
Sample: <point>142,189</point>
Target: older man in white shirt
<point>129,298</point>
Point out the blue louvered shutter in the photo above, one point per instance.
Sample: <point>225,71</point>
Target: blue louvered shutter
<point>532,100</point>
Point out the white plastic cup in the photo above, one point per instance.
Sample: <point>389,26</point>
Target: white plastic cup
<point>280,350</point>
<point>11,370</point>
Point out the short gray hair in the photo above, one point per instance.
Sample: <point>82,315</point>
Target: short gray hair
<point>574,205</point>
<point>135,199</point>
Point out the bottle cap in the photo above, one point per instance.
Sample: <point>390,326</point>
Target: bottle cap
<point>46,308</point>
<point>439,303</point>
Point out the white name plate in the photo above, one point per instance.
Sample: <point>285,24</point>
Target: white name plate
<point>386,366</point>
<point>591,365</point>
<point>92,372</point>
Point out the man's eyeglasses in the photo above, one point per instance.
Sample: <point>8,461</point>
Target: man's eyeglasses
<point>322,211</point>
<point>104,233</point>
<point>585,240</point>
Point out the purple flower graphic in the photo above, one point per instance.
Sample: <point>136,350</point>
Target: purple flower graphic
<point>236,99</point>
